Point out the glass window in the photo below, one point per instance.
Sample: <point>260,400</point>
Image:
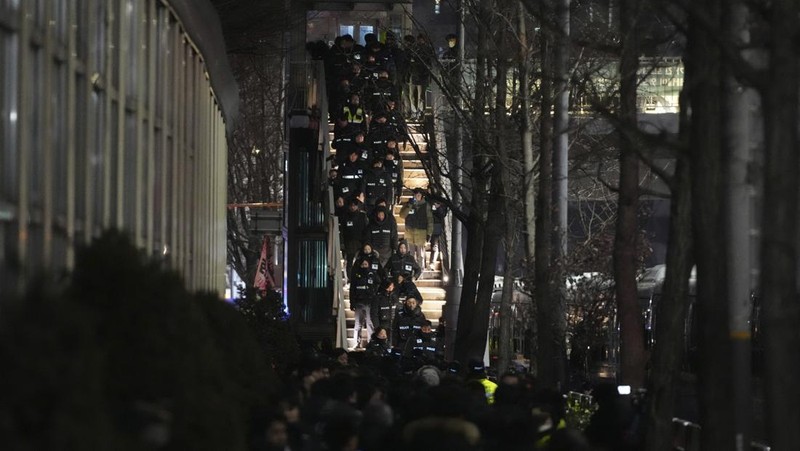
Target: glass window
<point>8,121</point>
<point>346,29</point>
<point>363,30</point>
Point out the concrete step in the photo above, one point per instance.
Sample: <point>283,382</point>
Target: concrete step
<point>429,293</point>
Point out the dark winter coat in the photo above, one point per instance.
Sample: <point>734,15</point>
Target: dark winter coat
<point>408,289</point>
<point>382,235</point>
<point>407,324</point>
<point>377,347</point>
<point>428,347</point>
<point>373,258</point>
<point>349,181</point>
<point>404,264</point>
<point>353,225</point>
<point>378,184</point>
<point>363,286</point>
<point>383,309</point>
<point>439,213</point>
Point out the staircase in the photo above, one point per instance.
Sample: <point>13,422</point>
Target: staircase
<point>431,283</point>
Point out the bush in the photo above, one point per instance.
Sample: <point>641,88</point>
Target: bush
<point>126,358</point>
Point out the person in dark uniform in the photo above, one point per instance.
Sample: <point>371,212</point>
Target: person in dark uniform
<point>439,212</point>
<point>403,263</point>
<point>384,305</point>
<point>363,286</point>
<point>369,254</point>
<point>406,288</point>
<point>352,226</point>
<point>378,345</point>
<point>394,166</point>
<point>382,234</point>
<point>407,324</point>
<point>450,63</point>
<point>377,185</point>
<point>427,345</point>
<point>350,179</point>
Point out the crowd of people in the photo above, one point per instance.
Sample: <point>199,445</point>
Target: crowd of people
<point>364,84</point>
<point>396,391</point>
<point>337,400</point>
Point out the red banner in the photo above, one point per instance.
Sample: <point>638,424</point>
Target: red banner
<point>264,280</point>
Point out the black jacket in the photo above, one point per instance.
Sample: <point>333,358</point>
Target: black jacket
<point>377,184</point>
<point>349,181</point>
<point>407,324</point>
<point>382,310</point>
<point>403,264</point>
<point>439,213</point>
<point>377,347</point>
<point>408,289</point>
<point>352,225</point>
<point>382,235</point>
<point>428,347</point>
<point>363,286</point>
<point>374,262</point>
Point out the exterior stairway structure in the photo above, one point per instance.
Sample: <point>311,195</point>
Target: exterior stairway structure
<point>431,282</point>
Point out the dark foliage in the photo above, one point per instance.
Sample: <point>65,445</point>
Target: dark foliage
<point>126,358</point>
<point>267,318</point>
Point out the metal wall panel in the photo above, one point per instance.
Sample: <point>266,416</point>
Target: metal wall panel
<point>111,118</point>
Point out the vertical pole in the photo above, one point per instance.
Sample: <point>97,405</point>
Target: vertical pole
<point>739,212</point>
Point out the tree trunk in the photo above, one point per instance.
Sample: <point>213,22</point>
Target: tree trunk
<point>477,215</point>
<point>502,180</point>
<point>704,76</point>
<point>526,136</point>
<point>632,352</point>
<point>491,241</point>
<point>472,268</point>
<point>779,245</point>
<point>672,307</point>
<point>546,353</point>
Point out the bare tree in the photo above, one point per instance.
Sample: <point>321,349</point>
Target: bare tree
<point>632,352</point>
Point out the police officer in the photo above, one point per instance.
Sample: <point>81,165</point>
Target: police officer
<point>363,286</point>
<point>403,263</point>
<point>377,184</point>
<point>406,288</point>
<point>384,305</point>
<point>382,234</point>
<point>352,225</point>
<point>407,324</point>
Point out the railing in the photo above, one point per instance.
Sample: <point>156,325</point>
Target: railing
<point>334,252</point>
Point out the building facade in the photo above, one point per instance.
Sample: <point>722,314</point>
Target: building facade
<point>113,114</point>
